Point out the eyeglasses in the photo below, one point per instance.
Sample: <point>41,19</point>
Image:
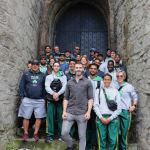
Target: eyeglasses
<point>119,76</point>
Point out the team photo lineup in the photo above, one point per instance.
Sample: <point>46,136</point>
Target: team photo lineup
<point>86,99</point>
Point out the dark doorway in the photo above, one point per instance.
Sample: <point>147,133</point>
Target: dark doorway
<point>81,25</point>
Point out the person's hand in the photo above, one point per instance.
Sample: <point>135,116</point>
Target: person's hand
<point>108,120</point>
<point>104,120</point>
<point>55,96</point>
<point>64,115</point>
<point>131,108</point>
<point>87,116</point>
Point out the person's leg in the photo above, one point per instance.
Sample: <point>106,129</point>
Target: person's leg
<point>112,134</point>
<point>124,125</point>
<point>25,125</point>
<point>50,118</point>
<point>66,126</point>
<point>101,134</point>
<point>37,125</point>
<point>59,118</point>
<point>82,126</point>
<point>91,139</point>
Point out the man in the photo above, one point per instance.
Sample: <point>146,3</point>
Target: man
<point>71,72</point>
<point>55,85</point>
<point>63,64</point>
<point>119,65</point>
<point>107,122</point>
<point>56,53</point>
<point>129,99</point>
<point>68,56</point>
<point>91,126</point>
<point>43,65</point>
<point>91,57</point>
<point>76,51</point>
<point>77,107</point>
<point>32,94</point>
<point>48,52</point>
<point>103,67</point>
<point>113,73</point>
<point>108,54</point>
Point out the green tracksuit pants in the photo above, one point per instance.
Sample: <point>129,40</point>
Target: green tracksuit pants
<point>107,132</point>
<point>54,112</point>
<point>124,125</point>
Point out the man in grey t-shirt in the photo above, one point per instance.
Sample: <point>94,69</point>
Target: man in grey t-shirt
<point>77,105</point>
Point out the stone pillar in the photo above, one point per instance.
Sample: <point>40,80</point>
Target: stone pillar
<point>132,27</point>
<point>19,30</point>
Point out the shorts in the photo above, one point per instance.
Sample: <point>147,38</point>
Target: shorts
<point>28,106</point>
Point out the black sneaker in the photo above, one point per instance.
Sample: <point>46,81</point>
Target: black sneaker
<point>69,148</point>
<point>48,139</point>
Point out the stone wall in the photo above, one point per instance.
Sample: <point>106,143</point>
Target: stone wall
<point>132,30</point>
<point>19,30</point>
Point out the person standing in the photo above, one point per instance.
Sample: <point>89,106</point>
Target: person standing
<point>129,99</point>
<point>107,121</point>
<point>77,105</point>
<point>71,71</point>
<point>63,64</point>
<point>91,126</point>
<point>32,93</point>
<point>43,65</point>
<point>55,85</point>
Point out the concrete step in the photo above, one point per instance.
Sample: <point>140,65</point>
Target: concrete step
<point>41,145</point>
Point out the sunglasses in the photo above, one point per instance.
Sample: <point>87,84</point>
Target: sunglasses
<point>119,76</point>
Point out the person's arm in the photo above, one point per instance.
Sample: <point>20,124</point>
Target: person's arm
<point>134,97</point>
<point>97,105</point>
<point>65,103</point>
<point>22,87</point>
<point>47,85</point>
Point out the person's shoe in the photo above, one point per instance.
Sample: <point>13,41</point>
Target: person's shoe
<point>69,148</point>
<point>36,137</point>
<point>25,137</point>
<point>48,139</point>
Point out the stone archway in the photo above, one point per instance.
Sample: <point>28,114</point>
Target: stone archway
<point>52,10</point>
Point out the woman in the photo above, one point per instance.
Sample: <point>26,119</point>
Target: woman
<point>129,100</point>
<point>50,65</point>
<point>107,121</point>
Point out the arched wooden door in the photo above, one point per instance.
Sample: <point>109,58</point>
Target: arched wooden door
<point>81,25</point>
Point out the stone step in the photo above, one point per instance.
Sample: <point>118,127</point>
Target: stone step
<point>41,145</point>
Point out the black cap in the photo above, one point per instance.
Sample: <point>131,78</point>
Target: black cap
<point>35,61</point>
<point>62,54</point>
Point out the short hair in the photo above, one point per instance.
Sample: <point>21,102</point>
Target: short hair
<point>43,56</point>
<point>72,60</point>
<point>114,51</point>
<point>79,63</point>
<point>123,72</point>
<point>93,64</point>
<point>48,46</point>
<point>56,62</point>
<point>107,75</point>
<point>110,61</point>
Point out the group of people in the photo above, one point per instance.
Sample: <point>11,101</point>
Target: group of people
<point>88,94</point>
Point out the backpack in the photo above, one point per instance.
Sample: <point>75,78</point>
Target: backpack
<point>55,85</point>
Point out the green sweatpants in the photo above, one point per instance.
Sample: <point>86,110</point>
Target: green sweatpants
<point>105,132</point>
<point>91,135</point>
<point>124,125</point>
<point>54,112</point>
